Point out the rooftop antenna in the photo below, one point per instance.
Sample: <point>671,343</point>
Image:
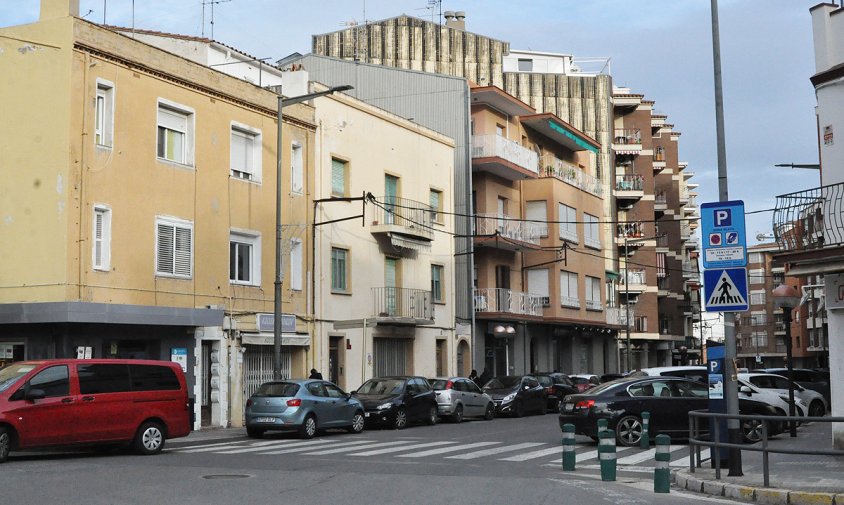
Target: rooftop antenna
<point>212,3</point>
<point>433,6</point>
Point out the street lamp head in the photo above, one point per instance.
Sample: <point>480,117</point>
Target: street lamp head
<point>344,87</point>
<point>785,297</point>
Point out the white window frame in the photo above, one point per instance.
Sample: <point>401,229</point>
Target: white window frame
<point>756,276</point>
<point>568,231</point>
<point>297,168</point>
<point>253,239</point>
<point>296,264</point>
<point>438,297</point>
<point>755,258</point>
<point>175,224</point>
<point>254,172</point>
<point>754,295</point>
<point>591,231</point>
<point>437,212</point>
<point>103,241</point>
<point>538,284</point>
<point>593,293</point>
<point>345,164</point>
<point>190,118</point>
<point>567,299</point>
<point>532,212</point>
<point>347,288</point>
<point>104,114</point>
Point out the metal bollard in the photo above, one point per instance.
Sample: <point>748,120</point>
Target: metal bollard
<point>606,453</point>
<point>645,441</point>
<point>602,425</point>
<point>569,455</point>
<point>662,474</point>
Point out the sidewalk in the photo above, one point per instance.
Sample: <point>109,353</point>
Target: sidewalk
<point>794,478</point>
<point>209,434</point>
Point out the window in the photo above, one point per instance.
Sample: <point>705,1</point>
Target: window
<point>102,238</point>
<point>665,326</point>
<point>537,216</point>
<point>339,270</point>
<point>660,265</point>
<point>591,231</point>
<point>316,389</point>
<point>153,378</point>
<point>568,290</point>
<point>104,114</point>
<point>339,176</point>
<point>174,248</point>
<point>754,257</point>
<point>538,284</point>
<point>525,65</point>
<point>568,223</point>
<point>640,324</point>
<point>296,265</point>
<point>499,130</point>
<point>757,298</point>
<point>757,276</point>
<point>593,293</point>
<point>175,133</point>
<point>437,283</point>
<point>53,381</point>
<point>245,258</point>
<point>297,170</point>
<point>96,379</point>
<point>436,201</point>
<point>245,152</point>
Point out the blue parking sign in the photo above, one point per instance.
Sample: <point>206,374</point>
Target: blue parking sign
<point>722,227</point>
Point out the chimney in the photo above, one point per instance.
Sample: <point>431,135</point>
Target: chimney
<point>455,20</point>
<point>54,9</point>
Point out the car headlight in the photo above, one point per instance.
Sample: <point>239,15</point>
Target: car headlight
<point>384,406</point>
<point>509,398</point>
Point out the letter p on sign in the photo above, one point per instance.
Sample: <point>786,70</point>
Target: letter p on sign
<point>723,217</point>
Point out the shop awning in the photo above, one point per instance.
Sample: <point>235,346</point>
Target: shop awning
<point>409,243</point>
<point>294,339</point>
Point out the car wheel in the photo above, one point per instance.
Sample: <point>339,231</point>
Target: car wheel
<point>457,417</point>
<point>556,404</point>
<point>489,415</point>
<point>629,431</point>
<point>254,432</point>
<point>308,428</point>
<point>518,409</point>
<point>401,420</point>
<point>5,444</point>
<point>357,423</point>
<point>432,416</point>
<point>751,429</point>
<point>149,439</point>
<point>816,409</point>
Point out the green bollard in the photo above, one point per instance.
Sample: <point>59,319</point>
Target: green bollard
<point>662,474</point>
<point>645,441</point>
<point>569,455</point>
<point>602,425</point>
<point>606,453</point>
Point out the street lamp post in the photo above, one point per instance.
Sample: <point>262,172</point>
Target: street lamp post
<point>786,298</point>
<point>283,102</point>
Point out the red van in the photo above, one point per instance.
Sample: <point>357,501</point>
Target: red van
<point>64,402</point>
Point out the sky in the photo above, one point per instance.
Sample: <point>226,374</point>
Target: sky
<point>660,48</point>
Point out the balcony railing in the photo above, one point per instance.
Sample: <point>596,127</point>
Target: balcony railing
<point>486,146</point>
<point>810,219</point>
<point>627,136</point>
<point>616,316</point>
<point>403,215</point>
<point>692,203</point>
<point>594,305</point>
<point>629,182</point>
<point>661,198</point>
<point>571,302</point>
<point>662,240</point>
<point>508,301</point>
<point>506,226</point>
<point>633,277</point>
<point>402,304</point>
<point>631,230</point>
<point>570,174</point>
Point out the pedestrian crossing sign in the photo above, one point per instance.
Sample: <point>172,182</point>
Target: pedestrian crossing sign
<point>725,289</point>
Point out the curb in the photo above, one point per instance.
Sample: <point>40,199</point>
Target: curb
<point>762,495</point>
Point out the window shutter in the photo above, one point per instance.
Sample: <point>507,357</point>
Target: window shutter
<point>536,212</point>
<point>98,238</point>
<point>660,265</point>
<point>338,177</point>
<point>241,152</point>
<point>182,263</point>
<point>538,282</point>
<point>297,170</point>
<point>172,120</point>
<point>296,266</point>
<point>165,249</point>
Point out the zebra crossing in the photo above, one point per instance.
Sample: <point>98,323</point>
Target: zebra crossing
<point>546,454</point>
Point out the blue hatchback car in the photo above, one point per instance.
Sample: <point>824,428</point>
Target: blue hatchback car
<point>302,405</point>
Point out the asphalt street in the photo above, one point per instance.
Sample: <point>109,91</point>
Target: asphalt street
<point>505,461</point>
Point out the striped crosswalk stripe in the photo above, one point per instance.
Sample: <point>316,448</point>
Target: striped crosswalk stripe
<point>495,450</point>
<point>234,446</point>
<point>202,446</point>
<point>352,444</point>
<point>309,443</point>
<point>638,457</point>
<point>446,450</point>
<point>535,454</point>
<point>349,449</point>
<point>390,450</point>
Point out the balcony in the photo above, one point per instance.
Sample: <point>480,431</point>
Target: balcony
<point>594,305</point>
<point>691,205</point>
<point>506,301</point>
<point>629,187</point>
<point>810,219</point>
<point>616,316</point>
<point>660,201</point>
<point>685,231</point>
<point>393,215</point>
<point>662,243</point>
<point>684,195</point>
<point>632,281</point>
<point>571,302</point>
<point>508,233</point>
<point>503,157</point>
<point>570,174</point>
<point>627,141</point>
<point>690,270</point>
<point>662,285</point>
<point>402,306</point>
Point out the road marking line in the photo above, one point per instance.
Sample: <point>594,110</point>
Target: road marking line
<point>236,446</point>
<point>399,449</point>
<point>637,458</point>
<point>495,450</point>
<point>202,446</point>
<point>308,443</point>
<point>445,450</point>
<point>535,454</point>
<point>311,447</point>
<point>347,449</point>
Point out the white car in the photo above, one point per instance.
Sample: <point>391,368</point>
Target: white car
<point>772,398</point>
<point>817,406</point>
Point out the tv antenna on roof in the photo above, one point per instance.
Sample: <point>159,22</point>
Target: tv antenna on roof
<point>434,6</point>
<point>212,3</point>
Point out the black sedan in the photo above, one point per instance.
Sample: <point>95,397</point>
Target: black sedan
<point>668,399</point>
<point>557,387</point>
<point>397,401</point>
<point>516,395</point>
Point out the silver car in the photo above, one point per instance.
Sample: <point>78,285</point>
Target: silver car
<point>779,384</point>
<point>459,397</point>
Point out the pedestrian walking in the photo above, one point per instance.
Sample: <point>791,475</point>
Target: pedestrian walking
<point>315,374</point>
<point>473,376</point>
<point>485,377</point>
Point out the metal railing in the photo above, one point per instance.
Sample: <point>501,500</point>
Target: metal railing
<point>661,198</point>
<point>506,226</point>
<point>404,212</point>
<point>632,277</point>
<point>402,303</point>
<point>485,146</point>
<point>616,316</point>
<point>571,302</point>
<point>627,136</point>
<point>634,229</point>
<point>810,219</point>
<point>551,166</point>
<point>629,182</point>
<point>506,300</point>
<point>696,439</point>
<point>594,305</point>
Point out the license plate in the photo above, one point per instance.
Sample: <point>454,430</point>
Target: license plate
<point>264,419</point>
<point>569,407</point>
<point>366,414</point>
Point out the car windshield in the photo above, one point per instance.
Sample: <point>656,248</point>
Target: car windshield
<point>545,380</point>
<point>10,374</point>
<point>382,387</point>
<point>278,389</point>
<point>579,380</point>
<point>506,382</point>
<point>437,384</point>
